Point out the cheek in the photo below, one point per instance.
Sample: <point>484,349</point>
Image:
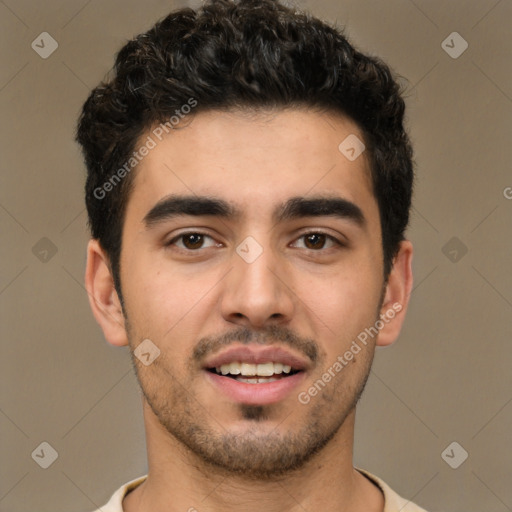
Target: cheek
<point>165,303</point>
<point>341,305</point>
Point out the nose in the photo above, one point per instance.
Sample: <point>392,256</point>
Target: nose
<point>257,292</point>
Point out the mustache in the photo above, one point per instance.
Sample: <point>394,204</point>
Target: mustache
<point>274,333</point>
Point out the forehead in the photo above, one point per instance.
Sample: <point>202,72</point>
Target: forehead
<point>253,161</point>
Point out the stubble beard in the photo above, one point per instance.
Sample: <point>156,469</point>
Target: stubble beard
<point>257,453</point>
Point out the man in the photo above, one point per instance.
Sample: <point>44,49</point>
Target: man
<point>249,185</point>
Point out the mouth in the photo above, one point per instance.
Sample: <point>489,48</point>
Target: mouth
<point>251,373</point>
<point>255,375</point>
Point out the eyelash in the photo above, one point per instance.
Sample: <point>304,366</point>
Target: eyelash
<point>303,235</point>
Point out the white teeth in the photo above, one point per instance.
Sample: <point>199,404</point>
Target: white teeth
<point>265,369</point>
<point>252,370</point>
<point>255,381</point>
<point>234,369</point>
<point>247,369</point>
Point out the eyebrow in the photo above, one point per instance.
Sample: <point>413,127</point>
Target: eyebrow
<point>173,206</point>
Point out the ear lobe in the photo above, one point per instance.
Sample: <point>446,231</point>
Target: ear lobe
<point>396,299</point>
<point>103,298</point>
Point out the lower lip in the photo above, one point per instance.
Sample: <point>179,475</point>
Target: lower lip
<point>256,394</point>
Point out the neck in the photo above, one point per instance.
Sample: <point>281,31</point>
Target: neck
<point>179,481</point>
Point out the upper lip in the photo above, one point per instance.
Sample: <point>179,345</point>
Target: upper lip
<point>256,355</point>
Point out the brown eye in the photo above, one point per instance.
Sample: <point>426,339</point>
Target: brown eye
<point>193,241</point>
<point>315,240</point>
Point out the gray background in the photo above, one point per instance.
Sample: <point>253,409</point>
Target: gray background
<point>446,379</point>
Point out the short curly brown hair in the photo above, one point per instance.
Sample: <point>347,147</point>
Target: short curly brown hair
<point>239,55</point>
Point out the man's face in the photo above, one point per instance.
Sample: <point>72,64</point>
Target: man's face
<point>214,291</point>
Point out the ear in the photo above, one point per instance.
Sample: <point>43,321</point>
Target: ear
<point>103,298</point>
<point>397,294</point>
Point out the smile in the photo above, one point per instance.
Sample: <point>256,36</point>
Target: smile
<point>255,374</point>
<point>251,373</point>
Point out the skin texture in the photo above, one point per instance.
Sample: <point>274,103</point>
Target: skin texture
<point>313,299</point>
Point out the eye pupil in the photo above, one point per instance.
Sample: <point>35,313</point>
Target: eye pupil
<point>315,239</point>
<point>195,239</point>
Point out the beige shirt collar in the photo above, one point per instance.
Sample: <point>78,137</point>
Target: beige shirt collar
<point>393,502</point>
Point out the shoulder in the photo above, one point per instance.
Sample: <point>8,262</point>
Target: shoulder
<point>393,501</point>
<point>115,504</point>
